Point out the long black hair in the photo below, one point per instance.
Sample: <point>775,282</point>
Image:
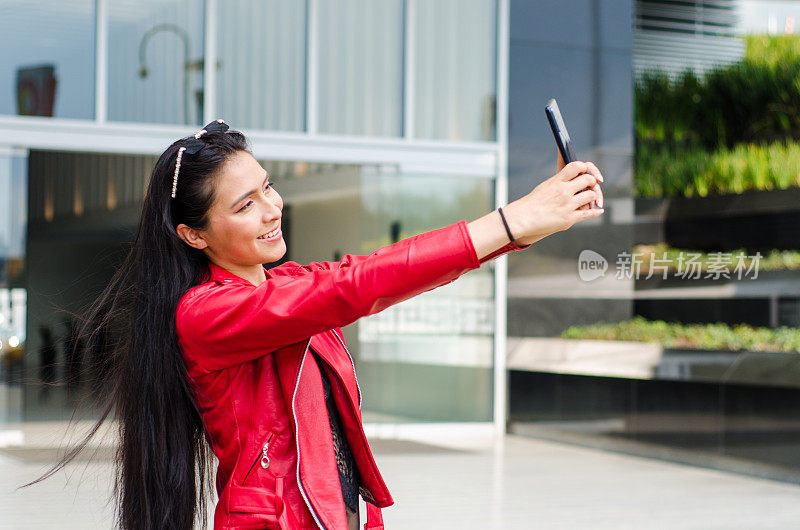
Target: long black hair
<point>163,461</point>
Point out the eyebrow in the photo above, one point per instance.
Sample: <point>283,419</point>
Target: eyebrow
<point>249,192</point>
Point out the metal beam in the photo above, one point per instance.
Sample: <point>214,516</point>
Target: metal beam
<point>478,159</point>
<point>501,198</point>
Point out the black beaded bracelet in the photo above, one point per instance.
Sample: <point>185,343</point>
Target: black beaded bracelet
<point>505,223</point>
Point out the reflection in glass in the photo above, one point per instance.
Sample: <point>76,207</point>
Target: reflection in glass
<point>455,55</point>
<point>47,64</point>
<point>82,215</point>
<point>429,358</point>
<point>155,61</point>
<point>13,293</point>
<point>262,63</point>
<point>360,67</point>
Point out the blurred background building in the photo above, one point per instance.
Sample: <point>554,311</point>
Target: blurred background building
<point>685,345</point>
<point>378,120</point>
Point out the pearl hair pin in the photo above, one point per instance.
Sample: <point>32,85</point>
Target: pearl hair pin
<point>177,168</point>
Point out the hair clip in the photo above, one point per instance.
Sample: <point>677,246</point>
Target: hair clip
<point>216,126</point>
<point>193,145</point>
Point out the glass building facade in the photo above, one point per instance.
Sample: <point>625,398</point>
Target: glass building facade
<point>50,51</point>
<point>376,120</point>
<point>710,405</point>
<point>155,61</point>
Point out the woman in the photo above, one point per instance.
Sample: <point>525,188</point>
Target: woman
<point>219,352</point>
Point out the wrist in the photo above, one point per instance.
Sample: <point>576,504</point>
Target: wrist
<point>518,234</point>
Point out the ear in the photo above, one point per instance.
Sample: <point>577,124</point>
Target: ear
<point>192,237</point>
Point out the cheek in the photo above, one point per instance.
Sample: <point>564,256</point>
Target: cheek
<point>232,230</point>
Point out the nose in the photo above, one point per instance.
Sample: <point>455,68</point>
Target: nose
<point>272,209</point>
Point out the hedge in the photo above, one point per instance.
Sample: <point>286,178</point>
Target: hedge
<point>662,172</point>
<point>754,100</point>
<point>692,336</point>
<point>774,260</point>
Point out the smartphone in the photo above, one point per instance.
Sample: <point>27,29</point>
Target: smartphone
<point>563,141</point>
<point>559,131</point>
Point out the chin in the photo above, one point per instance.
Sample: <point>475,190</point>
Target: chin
<point>276,254</point>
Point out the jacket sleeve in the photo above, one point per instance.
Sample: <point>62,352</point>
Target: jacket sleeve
<point>233,323</point>
<point>510,247</point>
<point>330,265</point>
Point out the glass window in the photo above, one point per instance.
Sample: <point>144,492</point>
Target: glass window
<point>360,82</point>
<point>13,292</point>
<point>47,64</point>
<point>261,68</point>
<point>455,82</point>
<point>155,61</point>
<point>429,358</point>
<point>82,215</point>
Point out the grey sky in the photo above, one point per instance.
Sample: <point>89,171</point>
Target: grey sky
<point>767,16</point>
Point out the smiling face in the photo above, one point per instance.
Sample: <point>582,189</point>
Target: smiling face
<point>243,230</point>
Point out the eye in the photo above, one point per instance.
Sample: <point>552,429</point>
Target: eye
<point>245,207</point>
<point>267,187</point>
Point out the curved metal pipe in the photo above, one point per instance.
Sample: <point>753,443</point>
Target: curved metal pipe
<point>181,33</point>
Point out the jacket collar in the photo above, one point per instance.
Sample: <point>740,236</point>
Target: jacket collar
<point>221,275</point>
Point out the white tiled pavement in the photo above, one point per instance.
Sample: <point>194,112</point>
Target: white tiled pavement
<point>522,484</point>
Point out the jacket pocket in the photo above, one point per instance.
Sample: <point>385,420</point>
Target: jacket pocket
<point>262,457</point>
<point>250,505</point>
<point>247,499</point>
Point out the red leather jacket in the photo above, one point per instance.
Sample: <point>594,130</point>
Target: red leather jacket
<point>260,392</point>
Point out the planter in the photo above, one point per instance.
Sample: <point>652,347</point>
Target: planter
<point>755,220</point>
<point>647,361</point>
<point>770,300</point>
<point>767,283</point>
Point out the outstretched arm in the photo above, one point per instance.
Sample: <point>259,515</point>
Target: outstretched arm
<point>224,325</point>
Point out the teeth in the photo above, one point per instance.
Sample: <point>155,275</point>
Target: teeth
<point>269,234</point>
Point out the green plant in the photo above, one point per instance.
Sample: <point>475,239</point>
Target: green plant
<point>666,109</point>
<point>692,336</point>
<point>773,260</point>
<point>771,49</point>
<point>756,99</point>
<point>662,172</point>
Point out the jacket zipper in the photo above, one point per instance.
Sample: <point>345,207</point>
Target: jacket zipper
<point>264,453</point>
<point>353,364</point>
<point>297,442</point>
<point>357,385</point>
<point>264,457</point>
